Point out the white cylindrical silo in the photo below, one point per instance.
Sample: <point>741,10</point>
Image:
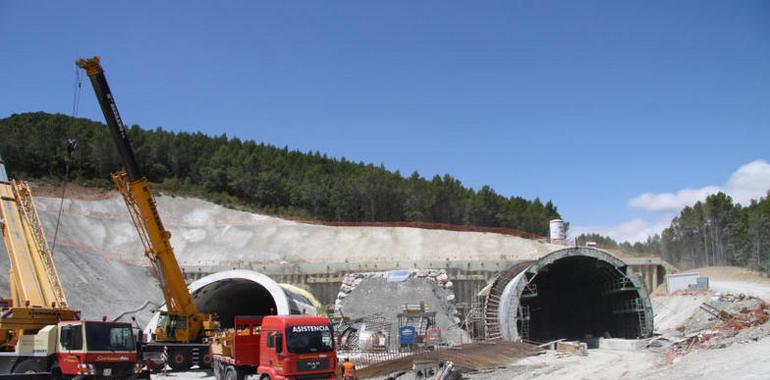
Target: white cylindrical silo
<point>557,231</point>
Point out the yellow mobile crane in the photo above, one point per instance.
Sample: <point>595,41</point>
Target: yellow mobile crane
<point>39,333</point>
<point>182,328</point>
<point>37,297</point>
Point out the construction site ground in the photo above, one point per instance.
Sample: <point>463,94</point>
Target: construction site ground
<point>690,344</point>
<point>734,354</point>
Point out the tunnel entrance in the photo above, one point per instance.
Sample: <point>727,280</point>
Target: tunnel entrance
<point>237,292</point>
<point>575,293</point>
<point>232,297</point>
<point>580,297</point>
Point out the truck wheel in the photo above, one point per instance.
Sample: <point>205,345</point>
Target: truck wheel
<point>217,368</point>
<point>179,361</point>
<point>28,366</point>
<point>205,361</point>
<point>56,373</point>
<point>232,374</point>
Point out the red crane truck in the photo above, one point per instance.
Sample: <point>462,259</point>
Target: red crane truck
<point>275,347</point>
<point>85,349</point>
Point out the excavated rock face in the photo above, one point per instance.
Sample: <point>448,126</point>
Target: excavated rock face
<point>96,285</point>
<point>206,234</point>
<point>383,294</point>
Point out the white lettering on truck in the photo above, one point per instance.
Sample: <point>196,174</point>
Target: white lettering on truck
<point>302,329</point>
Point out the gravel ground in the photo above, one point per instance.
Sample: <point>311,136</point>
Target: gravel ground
<point>186,375</point>
<point>599,364</point>
<point>738,361</point>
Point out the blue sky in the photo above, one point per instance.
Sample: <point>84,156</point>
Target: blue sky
<point>589,104</point>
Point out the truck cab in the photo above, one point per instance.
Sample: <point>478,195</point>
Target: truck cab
<point>96,349</point>
<point>294,346</point>
<point>276,347</point>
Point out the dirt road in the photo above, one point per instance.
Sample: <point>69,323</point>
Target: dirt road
<point>758,290</point>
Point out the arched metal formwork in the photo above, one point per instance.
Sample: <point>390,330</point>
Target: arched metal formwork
<point>571,293</point>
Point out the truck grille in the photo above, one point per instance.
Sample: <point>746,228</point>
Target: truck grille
<point>312,365</point>
<point>314,376</point>
<point>118,369</point>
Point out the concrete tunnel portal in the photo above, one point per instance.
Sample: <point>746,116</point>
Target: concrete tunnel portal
<point>574,293</point>
<point>232,297</point>
<point>243,292</point>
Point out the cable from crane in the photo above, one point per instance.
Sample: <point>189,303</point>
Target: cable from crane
<point>71,145</point>
<point>138,309</point>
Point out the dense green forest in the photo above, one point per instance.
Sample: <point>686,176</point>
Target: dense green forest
<point>717,231</point>
<point>259,176</point>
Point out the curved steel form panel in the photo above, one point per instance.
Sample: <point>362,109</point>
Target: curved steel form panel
<point>572,293</point>
<point>244,292</point>
<point>494,298</point>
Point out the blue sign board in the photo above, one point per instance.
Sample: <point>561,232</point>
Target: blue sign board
<point>407,335</point>
<point>398,275</point>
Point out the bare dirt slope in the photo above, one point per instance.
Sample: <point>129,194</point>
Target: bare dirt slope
<point>207,234</point>
<point>95,285</point>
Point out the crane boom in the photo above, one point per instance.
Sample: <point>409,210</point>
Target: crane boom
<point>136,192</point>
<point>37,296</point>
<point>34,279</point>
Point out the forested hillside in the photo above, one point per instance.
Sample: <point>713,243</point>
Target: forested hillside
<point>717,231</point>
<point>264,177</point>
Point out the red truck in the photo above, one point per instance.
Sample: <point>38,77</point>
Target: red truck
<point>275,347</point>
<point>85,349</point>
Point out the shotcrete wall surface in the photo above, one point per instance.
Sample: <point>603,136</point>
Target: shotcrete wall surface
<point>206,234</point>
<point>574,293</point>
<point>372,295</point>
<point>242,292</point>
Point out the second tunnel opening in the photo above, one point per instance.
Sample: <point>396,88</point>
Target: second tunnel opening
<point>579,297</point>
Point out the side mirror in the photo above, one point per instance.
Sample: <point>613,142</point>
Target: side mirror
<point>279,342</point>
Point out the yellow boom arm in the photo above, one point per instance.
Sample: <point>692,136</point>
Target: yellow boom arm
<point>185,323</point>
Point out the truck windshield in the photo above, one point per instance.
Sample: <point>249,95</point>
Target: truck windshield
<point>313,338</point>
<point>102,336</point>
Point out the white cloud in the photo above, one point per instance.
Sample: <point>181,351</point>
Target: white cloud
<point>750,181</point>
<point>671,201</point>
<point>632,231</point>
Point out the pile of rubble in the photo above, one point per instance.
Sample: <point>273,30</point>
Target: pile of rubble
<point>725,320</point>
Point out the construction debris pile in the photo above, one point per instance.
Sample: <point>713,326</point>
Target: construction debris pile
<point>722,321</point>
